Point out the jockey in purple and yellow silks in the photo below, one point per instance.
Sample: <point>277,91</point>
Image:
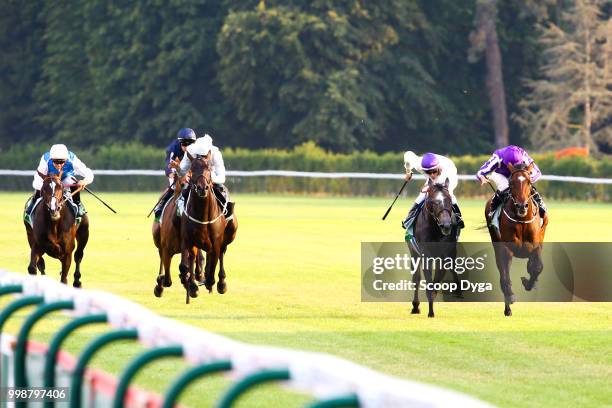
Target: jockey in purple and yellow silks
<point>496,169</point>
<point>437,168</point>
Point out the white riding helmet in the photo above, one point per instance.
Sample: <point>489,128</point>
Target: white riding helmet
<point>201,147</point>
<point>58,152</point>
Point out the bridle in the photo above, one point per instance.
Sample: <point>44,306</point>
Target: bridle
<point>431,212</point>
<point>202,192</point>
<point>518,205</point>
<point>58,203</point>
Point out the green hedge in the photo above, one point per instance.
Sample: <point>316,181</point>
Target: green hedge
<point>307,157</point>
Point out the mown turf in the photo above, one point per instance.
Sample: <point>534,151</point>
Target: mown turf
<point>294,281</point>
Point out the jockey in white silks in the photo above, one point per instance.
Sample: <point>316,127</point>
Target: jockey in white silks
<point>438,169</point>
<point>59,161</point>
<point>202,147</point>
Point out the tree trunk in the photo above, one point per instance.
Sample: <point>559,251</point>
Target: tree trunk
<point>495,80</point>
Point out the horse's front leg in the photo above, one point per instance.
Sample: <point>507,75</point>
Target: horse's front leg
<point>66,261</point>
<point>192,286</point>
<point>199,275</point>
<point>503,258</point>
<point>221,285</point>
<point>35,257</point>
<point>430,293</point>
<point>212,257</point>
<point>534,267</point>
<point>416,279</point>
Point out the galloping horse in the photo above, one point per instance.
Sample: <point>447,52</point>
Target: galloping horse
<point>521,233</point>
<point>166,236</point>
<point>435,233</point>
<point>204,226</point>
<point>54,231</point>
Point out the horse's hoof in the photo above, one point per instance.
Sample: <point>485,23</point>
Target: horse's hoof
<point>527,284</point>
<point>158,291</point>
<point>199,277</point>
<point>508,312</point>
<point>415,310</point>
<point>221,287</point>
<point>64,281</point>
<point>430,314</point>
<point>77,284</point>
<point>167,282</point>
<point>193,290</point>
<point>32,271</point>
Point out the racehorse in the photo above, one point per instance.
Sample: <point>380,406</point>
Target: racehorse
<point>204,226</point>
<point>54,231</point>
<point>166,236</point>
<point>521,233</point>
<point>435,236</point>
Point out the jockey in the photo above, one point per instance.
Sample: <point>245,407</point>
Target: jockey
<point>176,149</point>
<point>60,161</point>
<point>201,147</point>
<point>496,169</point>
<point>438,169</point>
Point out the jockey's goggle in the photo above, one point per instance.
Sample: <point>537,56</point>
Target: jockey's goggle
<point>186,142</point>
<point>432,171</point>
<point>59,162</point>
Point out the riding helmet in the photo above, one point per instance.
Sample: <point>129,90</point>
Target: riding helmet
<point>58,152</point>
<point>186,134</point>
<point>429,161</point>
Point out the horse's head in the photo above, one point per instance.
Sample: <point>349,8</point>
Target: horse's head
<point>520,187</point>
<point>52,192</point>
<point>438,204</point>
<point>201,181</point>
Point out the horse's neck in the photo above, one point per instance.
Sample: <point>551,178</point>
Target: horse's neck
<point>203,206</point>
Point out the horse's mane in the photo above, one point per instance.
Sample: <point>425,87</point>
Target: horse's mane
<point>521,167</point>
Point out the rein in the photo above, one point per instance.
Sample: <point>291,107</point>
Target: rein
<point>223,212</point>
<point>208,189</point>
<point>529,199</point>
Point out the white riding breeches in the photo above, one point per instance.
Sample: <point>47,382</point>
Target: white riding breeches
<point>500,181</point>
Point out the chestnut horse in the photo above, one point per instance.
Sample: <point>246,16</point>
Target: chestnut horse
<point>54,231</point>
<point>166,236</point>
<point>435,234</point>
<point>204,226</point>
<point>521,233</point>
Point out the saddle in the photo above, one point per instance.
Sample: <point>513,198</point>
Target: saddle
<point>27,217</point>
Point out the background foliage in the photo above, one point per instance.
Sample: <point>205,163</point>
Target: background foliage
<point>349,75</point>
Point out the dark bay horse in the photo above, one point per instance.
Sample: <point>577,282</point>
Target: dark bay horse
<point>167,236</point>
<point>204,226</point>
<point>54,231</point>
<point>521,233</point>
<point>435,233</point>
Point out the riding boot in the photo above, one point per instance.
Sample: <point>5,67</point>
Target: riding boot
<point>498,199</point>
<point>411,214</point>
<point>33,200</point>
<point>540,202</point>
<point>77,200</point>
<point>457,211</point>
<point>162,203</point>
<point>230,210</point>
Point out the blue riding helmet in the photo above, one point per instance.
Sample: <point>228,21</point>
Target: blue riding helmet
<point>186,134</point>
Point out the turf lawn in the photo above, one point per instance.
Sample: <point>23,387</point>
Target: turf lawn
<point>294,281</point>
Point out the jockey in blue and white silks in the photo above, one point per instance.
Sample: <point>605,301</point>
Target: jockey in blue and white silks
<point>438,169</point>
<point>175,150</point>
<point>59,160</point>
<point>496,169</point>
